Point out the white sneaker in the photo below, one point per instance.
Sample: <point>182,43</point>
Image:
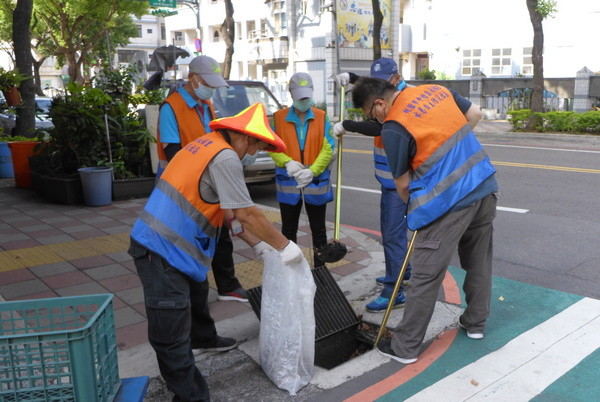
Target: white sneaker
<point>472,335</point>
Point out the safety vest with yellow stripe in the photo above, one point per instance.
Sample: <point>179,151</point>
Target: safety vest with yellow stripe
<point>176,222</point>
<point>318,191</point>
<point>449,162</point>
<point>189,123</point>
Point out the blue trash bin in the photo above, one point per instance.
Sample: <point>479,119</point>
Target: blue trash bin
<point>96,183</point>
<point>6,165</point>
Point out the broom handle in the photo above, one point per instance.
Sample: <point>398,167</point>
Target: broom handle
<point>396,288</point>
<point>338,185</point>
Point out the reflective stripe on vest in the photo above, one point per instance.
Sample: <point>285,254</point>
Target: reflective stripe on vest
<point>319,190</point>
<point>176,223</point>
<point>382,167</point>
<point>449,163</point>
<point>189,124</point>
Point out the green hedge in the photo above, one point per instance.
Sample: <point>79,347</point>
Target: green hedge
<point>562,122</point>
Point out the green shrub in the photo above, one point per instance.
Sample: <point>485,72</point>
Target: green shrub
<point>426,74</point>
<point>561,122</point>
<point>356,114</point>
<point>519,118</point>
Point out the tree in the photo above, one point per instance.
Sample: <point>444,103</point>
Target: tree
<point>538,11</point>
<point>228,32</point>
<point>25,123</point>
<point>78,29</point>
<point>377,22</point>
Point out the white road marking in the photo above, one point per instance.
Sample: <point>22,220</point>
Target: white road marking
<point>517,210</point>
<point>368,190</point>
<point>529,363</point>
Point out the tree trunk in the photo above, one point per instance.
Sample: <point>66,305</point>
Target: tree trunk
<point>37,64</point>
<point>228,32</point>
<point>377,22</point>
<point>537,55</point>
<point>21,35</point>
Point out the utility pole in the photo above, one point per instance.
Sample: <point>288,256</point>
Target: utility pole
<point>194,5</point>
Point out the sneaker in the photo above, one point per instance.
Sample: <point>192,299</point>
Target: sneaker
<point>472,335</point>
<point>222,344</point>
<point>380,304</point>
<point>407,275</point>
<point>385,348</point>
<point>238,294</point>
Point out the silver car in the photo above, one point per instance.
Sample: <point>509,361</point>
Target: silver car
<point>229,101</point>
<point>42,107</point>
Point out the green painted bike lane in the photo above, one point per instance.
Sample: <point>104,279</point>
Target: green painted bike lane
<point>516,308</point>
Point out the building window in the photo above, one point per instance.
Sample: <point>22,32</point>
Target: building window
<point>149,30</point>
<point>139,31</point>
<point>471,62</point>
<point>501,61</point>
<point>527,66</point>
<point>250,29</point>
<point>216,36</point>
<point>178,36</point>
<point>238,30</point>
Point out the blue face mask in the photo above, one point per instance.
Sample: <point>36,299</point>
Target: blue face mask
<point>248,159</point>
<point>303,104</point>
<point>204,92</point>
<point>401,85</point>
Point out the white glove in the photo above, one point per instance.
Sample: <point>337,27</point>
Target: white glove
<point>338,129</point>
<point>304,177</point>
<point>293,167</point>
<point>291,254</point>
<point>342,79</point>
<point>261,248</point>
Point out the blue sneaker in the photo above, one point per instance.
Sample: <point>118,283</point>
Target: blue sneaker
<point>380,304</point>
<point>407,275</point>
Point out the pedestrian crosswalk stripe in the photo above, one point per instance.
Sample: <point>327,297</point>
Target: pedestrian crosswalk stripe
<point>528,364</point>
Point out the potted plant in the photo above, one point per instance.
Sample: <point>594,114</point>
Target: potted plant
<point>9,85</point>
<point>130,140</point>
<point>97,126</point>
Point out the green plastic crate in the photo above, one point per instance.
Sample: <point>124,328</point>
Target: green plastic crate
<point>59,349</point>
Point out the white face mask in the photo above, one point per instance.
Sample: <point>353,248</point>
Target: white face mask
<point>248,159</point>
<point>303,104</point>
<point>204,92</point>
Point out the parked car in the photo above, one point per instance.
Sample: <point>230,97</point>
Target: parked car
<point>229,101</point>
<point>42,107</point>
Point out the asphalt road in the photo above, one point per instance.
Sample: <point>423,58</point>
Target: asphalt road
<point>546,230</point>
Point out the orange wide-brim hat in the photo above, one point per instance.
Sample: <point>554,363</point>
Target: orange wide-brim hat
<point>252,121</point>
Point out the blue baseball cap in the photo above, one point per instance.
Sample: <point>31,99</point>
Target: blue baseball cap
<point>384,68</point>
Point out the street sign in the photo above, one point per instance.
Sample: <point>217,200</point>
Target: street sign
<point>163,3</point>
<point>163,13</point>
<point>198,44</point>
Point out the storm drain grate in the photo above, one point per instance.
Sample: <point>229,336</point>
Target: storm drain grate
<point>335,320</point>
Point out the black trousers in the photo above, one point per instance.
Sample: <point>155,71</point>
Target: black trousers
<point>290,214</point>
<point>222,264</point>
<point>178,319</point>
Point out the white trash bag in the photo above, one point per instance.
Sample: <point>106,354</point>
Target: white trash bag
<point>287,323</point>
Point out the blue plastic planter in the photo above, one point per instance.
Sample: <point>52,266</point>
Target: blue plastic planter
<point>96,183</point>
<point>6,165</point>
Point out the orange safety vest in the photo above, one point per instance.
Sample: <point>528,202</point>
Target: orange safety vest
<point>188,121</point>
<point>430,115</point>
<point>314,137</point>
<point>176,222</point>
<point>449,162</point>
